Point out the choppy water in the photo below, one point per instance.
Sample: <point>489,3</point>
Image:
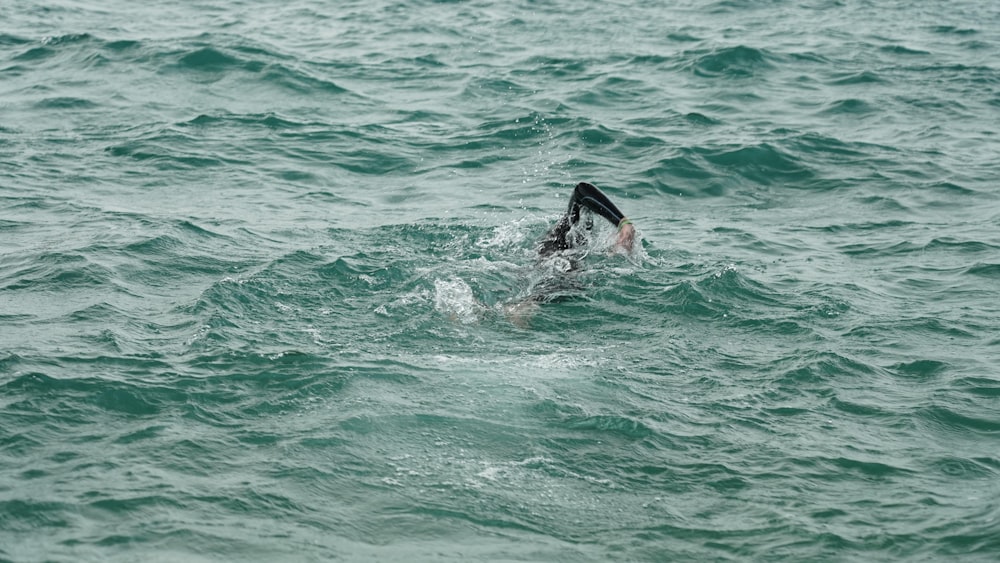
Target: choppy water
<point>258,262</point>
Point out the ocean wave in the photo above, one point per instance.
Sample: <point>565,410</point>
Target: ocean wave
<point>205,59</point>
<point>858,77</point>
<point>65,103</point>
<point>58,271</point>
<point>762,163</point>
<point>850,106</point>
<point>951,420</point>
<point>170,149</point>
<point>52,46</point>
<point>896,247</point>
<point>730,62</point>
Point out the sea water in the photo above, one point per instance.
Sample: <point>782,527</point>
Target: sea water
<point>269,290</point>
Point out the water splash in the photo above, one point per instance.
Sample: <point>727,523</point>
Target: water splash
<point>454,298</point>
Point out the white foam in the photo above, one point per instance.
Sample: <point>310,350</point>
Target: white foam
<point>454,298</point>
<point>504,236</point>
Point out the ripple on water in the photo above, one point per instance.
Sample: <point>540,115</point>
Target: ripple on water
<point>728,62</point>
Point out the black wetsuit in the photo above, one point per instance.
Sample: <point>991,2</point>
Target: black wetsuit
<point>562,237</point>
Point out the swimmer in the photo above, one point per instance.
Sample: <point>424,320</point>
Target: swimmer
<point>563,238</point>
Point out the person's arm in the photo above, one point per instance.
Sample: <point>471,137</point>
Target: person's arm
<point>587,195</point>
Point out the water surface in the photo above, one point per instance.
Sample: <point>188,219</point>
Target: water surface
<point>257,266</point>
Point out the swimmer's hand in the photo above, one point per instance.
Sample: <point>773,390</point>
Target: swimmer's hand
<point>626,235</point>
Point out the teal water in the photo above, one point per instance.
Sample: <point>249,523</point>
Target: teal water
<point>257,263</point>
